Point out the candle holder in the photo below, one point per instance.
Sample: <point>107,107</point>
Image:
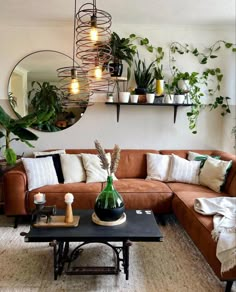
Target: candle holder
<point>42,211</point>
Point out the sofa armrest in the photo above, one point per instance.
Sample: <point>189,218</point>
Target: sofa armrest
<point>15,190</point>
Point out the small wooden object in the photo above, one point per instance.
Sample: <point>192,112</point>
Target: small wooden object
<point>57,221</point>
<point>69,214</point>
<point>97,221</point>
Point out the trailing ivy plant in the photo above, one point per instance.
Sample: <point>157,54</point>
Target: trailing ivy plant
<point>157,51</point>
<point>208,76</point>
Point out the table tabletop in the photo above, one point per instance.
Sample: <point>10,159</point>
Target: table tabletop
<point>140,225</point>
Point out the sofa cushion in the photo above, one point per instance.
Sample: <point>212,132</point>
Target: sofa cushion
<point>158,166</point>
<point>40,172</point>
<point>183,170</point>
<point>145,194</point>
<point>93,168</point>
<point>133,163</point>
<point>72,168</point>
<point>199,157</point>
<point>57,164</point>
<point>199,227</point>
<point>213,173</point>
<point>180,187</point>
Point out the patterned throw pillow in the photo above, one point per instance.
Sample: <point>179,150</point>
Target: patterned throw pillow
<point>213,173</point>
<point>199,157</point>
<point>40,172</point>
<point>182,170</point>
<point>158,166</point>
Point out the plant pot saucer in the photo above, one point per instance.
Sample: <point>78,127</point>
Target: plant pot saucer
<point>97,221</point>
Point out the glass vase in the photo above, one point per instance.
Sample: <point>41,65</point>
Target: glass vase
<point>109,205</point>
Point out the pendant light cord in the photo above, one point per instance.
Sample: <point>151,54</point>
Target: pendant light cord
<point>74,36</point>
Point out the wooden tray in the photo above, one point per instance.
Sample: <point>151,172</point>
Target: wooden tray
<point>57,221</point>
<point>97,221</point>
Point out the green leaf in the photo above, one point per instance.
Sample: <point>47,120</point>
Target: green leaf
<point>234,50</point>
<point>204,60</point>
<point>132,35</point>
<point>213,56</point>
<point>10,156</point>
<point>228,45</point>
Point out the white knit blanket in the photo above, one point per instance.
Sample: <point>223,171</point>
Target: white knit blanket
<point>224,221</point>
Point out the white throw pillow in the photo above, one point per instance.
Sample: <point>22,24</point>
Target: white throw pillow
<point>42,153</point>
<point>40,172</point>
<point>72,168</point>
<point>182,170</point>
<point>158,166</point>
<point>214,172</point>
<point>94,171</point>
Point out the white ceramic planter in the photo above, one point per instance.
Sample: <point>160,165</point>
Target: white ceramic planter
<point>179,98</point>
<point>169,98</point>
<point>124,97</point>
<point>134,98</point>
<point>150,97</point>
<point>183,84</point>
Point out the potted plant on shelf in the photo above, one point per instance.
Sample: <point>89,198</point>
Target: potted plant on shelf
<point>122,50</point>
<point>150,94</point>
<point>124,95</point>
<point>169,93</point>
<point>16,127</point>
<point>179,95</point>
<point>158,73</point>
<point>143,77</point>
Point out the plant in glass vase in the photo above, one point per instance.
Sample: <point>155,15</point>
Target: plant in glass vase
<point>109,205</point>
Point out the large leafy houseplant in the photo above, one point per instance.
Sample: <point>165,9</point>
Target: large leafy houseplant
<point>121,50</point>
<point>18,128</point>
<point>46,97</point>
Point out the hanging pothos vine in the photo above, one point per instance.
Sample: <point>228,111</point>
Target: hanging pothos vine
<point>196,80</point>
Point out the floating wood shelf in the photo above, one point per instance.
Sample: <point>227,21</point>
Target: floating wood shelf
<point>174,105</point>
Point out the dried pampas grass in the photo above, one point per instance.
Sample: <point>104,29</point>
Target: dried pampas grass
<point>115,158</point>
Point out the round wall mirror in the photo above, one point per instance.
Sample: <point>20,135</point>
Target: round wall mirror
<point>34,86</point>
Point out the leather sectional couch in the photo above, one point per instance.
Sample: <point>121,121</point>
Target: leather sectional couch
<point>138,193</point>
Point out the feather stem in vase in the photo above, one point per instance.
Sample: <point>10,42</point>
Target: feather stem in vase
<point>115,158</point>
<point>102,156</point>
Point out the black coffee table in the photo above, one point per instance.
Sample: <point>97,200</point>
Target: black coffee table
<point>140,225</point>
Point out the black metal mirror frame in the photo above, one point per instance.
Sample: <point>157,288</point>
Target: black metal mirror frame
<point>66,118</point>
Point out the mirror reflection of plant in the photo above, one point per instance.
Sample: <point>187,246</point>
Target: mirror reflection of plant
<point>46,97</point>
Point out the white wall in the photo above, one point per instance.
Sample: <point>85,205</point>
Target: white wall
<point>139,127</point>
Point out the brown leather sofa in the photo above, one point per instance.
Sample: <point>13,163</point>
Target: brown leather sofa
<point>137,193</point>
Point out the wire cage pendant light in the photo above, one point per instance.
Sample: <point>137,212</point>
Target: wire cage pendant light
<point>93,44</point>
<point>74,80</point>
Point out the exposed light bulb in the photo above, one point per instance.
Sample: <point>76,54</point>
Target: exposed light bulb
<point>74,86</point>
<point>98,72</point>
<point>93,34</point>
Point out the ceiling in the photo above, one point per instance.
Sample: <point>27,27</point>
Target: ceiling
<point>148,12</point>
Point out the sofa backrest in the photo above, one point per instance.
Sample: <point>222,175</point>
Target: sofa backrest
<point>133,162</point>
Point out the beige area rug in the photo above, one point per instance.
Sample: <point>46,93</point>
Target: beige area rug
<point>173,265</point>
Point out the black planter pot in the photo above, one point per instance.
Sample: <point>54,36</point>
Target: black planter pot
<point>140,90</point>
<point>109,214</point>
<point>116,69</point>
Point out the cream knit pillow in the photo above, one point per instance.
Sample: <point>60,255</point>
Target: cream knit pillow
<point>93,169</point>
<point>72,168</point>
<point>214,172</point>
<point>158,166</point>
